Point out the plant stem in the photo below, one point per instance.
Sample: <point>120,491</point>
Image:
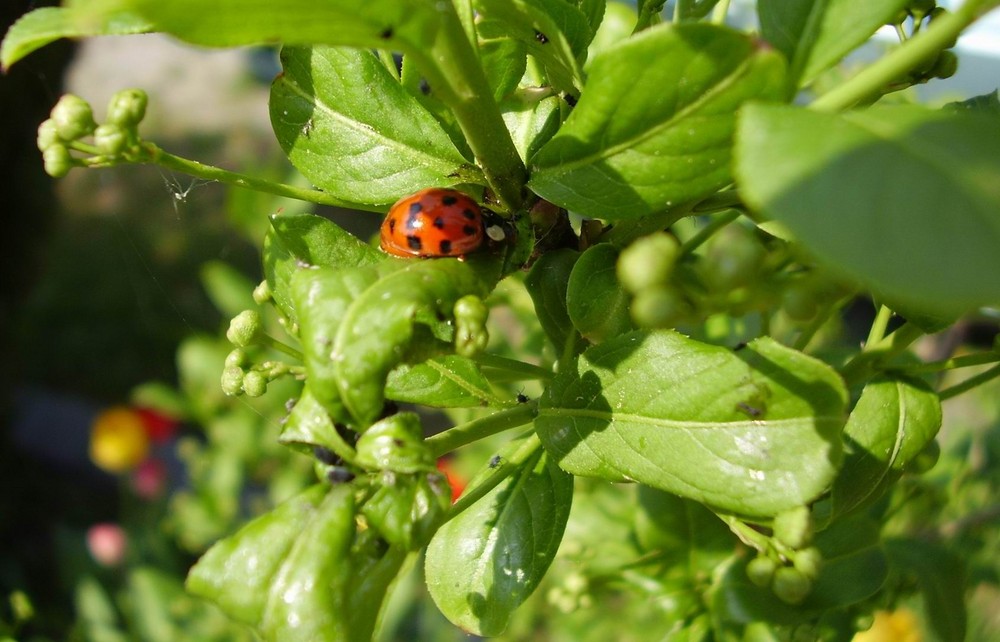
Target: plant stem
<point>861,366</point>
<point>505,469</point>
<point>877,332</point>
<point>624,233</point>
<point>650,11</point>
<point>451,67</point>
<point>970,383</point>
<point>271,342</point>
<point>720,12</point>
<point>706,232</point>
<point>467,433</point>
<point>906,57</point>
<point>155,155</point>
<point>520,368</point>
<point>955,362</point>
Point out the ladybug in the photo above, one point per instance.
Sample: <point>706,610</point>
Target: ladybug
<point>434,222</point>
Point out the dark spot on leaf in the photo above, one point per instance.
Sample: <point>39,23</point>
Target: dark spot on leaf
<point>750,411</point>
<point>541,37</point>
<point>495,461</point>
<point>386,33</point>
<point>445,247</point>
<point>425,88</point>
<point>739,346</point>
<point>339,475</point>
<point>326,455</point>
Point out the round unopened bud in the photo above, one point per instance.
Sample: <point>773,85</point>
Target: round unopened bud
<point>945,66</point>
<point>73,117</point>
<point>659,307</point>
<point>127,108</point>
<point>734,258</point>
<point>238,358</point>
<point>254,384</point>
<point>48,135</point>
<point>808,562</point>
<point>110,140</point>
<point>245,329</point>
<point>648,262</point>
<point>262,293</point>
<point>57,160</point>
<point>761,570</point>
<point>790,585</point>
<point>800,302</point>
<point>793,528</point>
<point>232,380</point>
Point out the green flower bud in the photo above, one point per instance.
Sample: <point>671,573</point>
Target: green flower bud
<point>800,302</point>
<point>648,262</point>
<point>920,8</point>
<point>761,570</point>
<point>808,562</point>
<point>238,358</point>
<point>246,329</point>
<point>48,135</point>
<point>733,258</point>
<point>57,160</point>
<point>254,384</point>
<point>471,335</point>
<point>790,585</point>
<point>659,307</point>
<point>232,380</point>
<point>127,108</point>
<point>793,528</point>
<point>73,118</point>
<point>110,140</point>
<point>945,66</point>
<point>262,293</point>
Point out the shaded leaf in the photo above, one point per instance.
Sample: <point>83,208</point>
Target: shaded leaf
<point>450,381</point>
<point>229,289</point>
<point>597,303</point>
<point>903,199</point>
<point>941,577</point>
<point>691,538</point>
<point>752,432</point>
<point>547,283</point>
<point>660,135</point>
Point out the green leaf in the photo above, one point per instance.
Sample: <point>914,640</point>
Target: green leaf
<point>696,9</point>
<point>752,432</point>
<point>814,36</point>
<point>941,577</point>
<point>547,283</point>
<point>38,28</point>
<point>987,104</point>
<point>305,240</point>
<point>530,121</point>
<point>692,540</point>
<point>228,23</point>
<point>308,425</point>
<point>450,381</point>
<point>618,24</point>
<point>660,135</point>
<point>353,130</point>
<point>556,33</point>
<point>904,199</point>
<point>854,568</point>
<point>597,303</point>
<point>407,512</point>
<point>504,61</point>
<point>228,288</point>
<point>98,617</point>
<point>485,562</point>
<point>895,418</point>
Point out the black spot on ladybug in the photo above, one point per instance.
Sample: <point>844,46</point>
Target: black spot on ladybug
<point>392,225</point>
<point>570,99</point>
<point>413,242</point>
<point>445,247</point>
<point>469,214</point>
<point>468,230</point>
<point>449,200</point>
<point>386,33</point>
<point>541,37</point>
<point>416,208</point>
<point>438,223</point>
<point>425,88</point>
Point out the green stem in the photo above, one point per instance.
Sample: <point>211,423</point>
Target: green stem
<point>877,332</point>
<point>724,200</point>
<point>911,54</point>
<point>520,368</point>
<point>970,383</point>
<point>451,67</point>
<point>862,365</point>
<point>624,233</point>
<point>467,433</point>
<point>955,362</point>
<point>706,232</point>
<point>822,316</point>
<point>650,11</point>
<point>271,342</point>
<point>505,469</point>
<point>720,12</point>
<point>153,154</point>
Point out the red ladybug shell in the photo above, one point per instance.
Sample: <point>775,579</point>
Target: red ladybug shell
<point>433,222</point>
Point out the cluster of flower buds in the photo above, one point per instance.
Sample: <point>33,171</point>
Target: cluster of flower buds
<point>71,124</point>
<point>241,375</point>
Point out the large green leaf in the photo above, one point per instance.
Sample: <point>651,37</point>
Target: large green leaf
<point>482,564</point>
<point>547,283</point>
<point>38,28</point>
<point>353,130</point>
<point>752,432</point>
<point>228,23</point>
<point>597,303</point>
<point>816,35</point>
<point>895,418</point>
<point>305,240</point>
<point>904,199</point>
<point>659,135</point>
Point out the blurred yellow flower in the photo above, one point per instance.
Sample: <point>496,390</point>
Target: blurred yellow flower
<point>118,440</point>
<point>897,626</point>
